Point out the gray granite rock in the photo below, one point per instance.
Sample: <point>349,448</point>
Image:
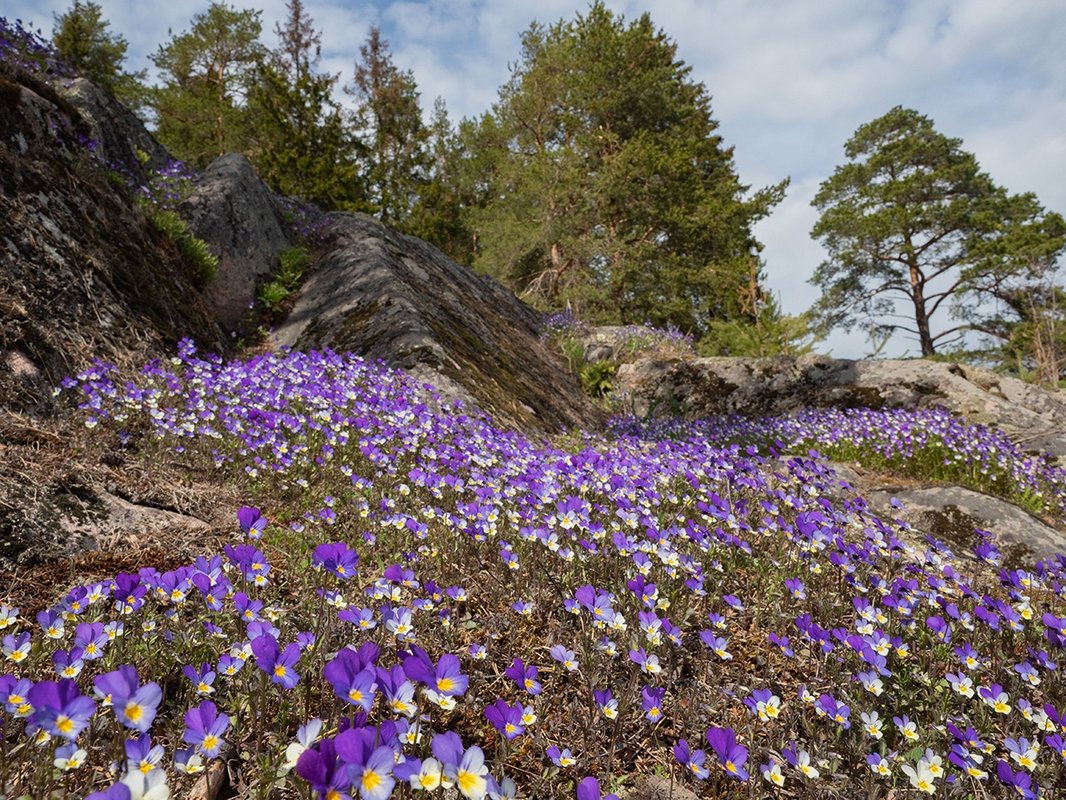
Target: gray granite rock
<point>83,274</point>
<point>43,524</point>
<point>952,513</point>
<point>382,294</point>
<point>120,135</point>
<point>241,220</point>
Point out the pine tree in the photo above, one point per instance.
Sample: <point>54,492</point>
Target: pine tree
<point>437,215</point>
<point>82,40</point>
<point>600,182</point>
<point>301,143</point>
<point>207,74</point>
<point>390,121</point>
<point>912,218</point>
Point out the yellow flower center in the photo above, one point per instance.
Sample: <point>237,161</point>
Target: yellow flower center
<point>469,782</point>
<point>430,780</point>
<point>371,780</point>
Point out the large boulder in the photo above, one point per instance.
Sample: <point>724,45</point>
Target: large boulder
<point>382,294</point>
<point>242,222</point>
<point>705,387</point>
<point>83,275</point>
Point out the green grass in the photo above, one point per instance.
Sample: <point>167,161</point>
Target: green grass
<point>191,247</point>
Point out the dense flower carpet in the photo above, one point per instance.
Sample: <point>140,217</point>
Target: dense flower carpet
<point>416,601</point>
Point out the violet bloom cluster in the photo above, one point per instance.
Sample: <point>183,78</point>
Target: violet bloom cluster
<point>683,540</point>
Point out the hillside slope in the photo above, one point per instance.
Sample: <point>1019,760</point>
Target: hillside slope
<point>83,274</point>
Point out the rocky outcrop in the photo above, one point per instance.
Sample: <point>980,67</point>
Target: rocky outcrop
<point>241,220</point>
<point>953,514</point>
<point>118,135</point>
<point>705,387</point>
<point>83,275</point>
<point>42,524</point>
<point>381,294</point>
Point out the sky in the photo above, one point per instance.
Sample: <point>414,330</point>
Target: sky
<point>790,82</point>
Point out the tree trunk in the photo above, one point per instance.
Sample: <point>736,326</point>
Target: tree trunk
<point>220,128</point>
<point>921,318</point>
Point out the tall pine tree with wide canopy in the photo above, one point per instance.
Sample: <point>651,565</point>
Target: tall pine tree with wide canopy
<point>206,76</point>
<point>912,220</point>
<point>600,181</point>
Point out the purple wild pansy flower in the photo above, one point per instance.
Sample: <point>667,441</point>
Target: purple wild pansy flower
<point>730,753</point>
<point>560,758</point>
<point>733,601</point>
<point>279,664</point>
<point>141,755</point>
<point>564,656</point>
<point>1019,783</point>
<point>399,692</point>
<point>464,767</point>
<point>204,728</point>
<point>328,775</point>
<point>202,679</point>
<point>589,789</point>
<point>353,680</point>
<point>374,775</point>
<point>781,643</point>
<point>796,588</point>
<point>448,679</point>
<point>252,521</point>
<point>995,698</point>
<point>505,718</point>
<point>117,791</point>
<point>652,702</point>
<point>135,706</point>
<point>940,628</point>
<point>337,559</point>
<point>524,677</point>
<point>247,608</point>
<point>607,704</point>
<point>68,664</point>
<point>691,760</point>
<point>60,708</point>
<point>92,639</point>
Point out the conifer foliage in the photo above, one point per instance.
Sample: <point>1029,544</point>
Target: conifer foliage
<point>206,76</point>
<point>82,39</point>
<point>389,119</point>
<point>604,185</point>
<point>301,144</point>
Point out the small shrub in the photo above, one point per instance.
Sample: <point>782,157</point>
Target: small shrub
<point>597,379</point>
<point>293,262</point>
